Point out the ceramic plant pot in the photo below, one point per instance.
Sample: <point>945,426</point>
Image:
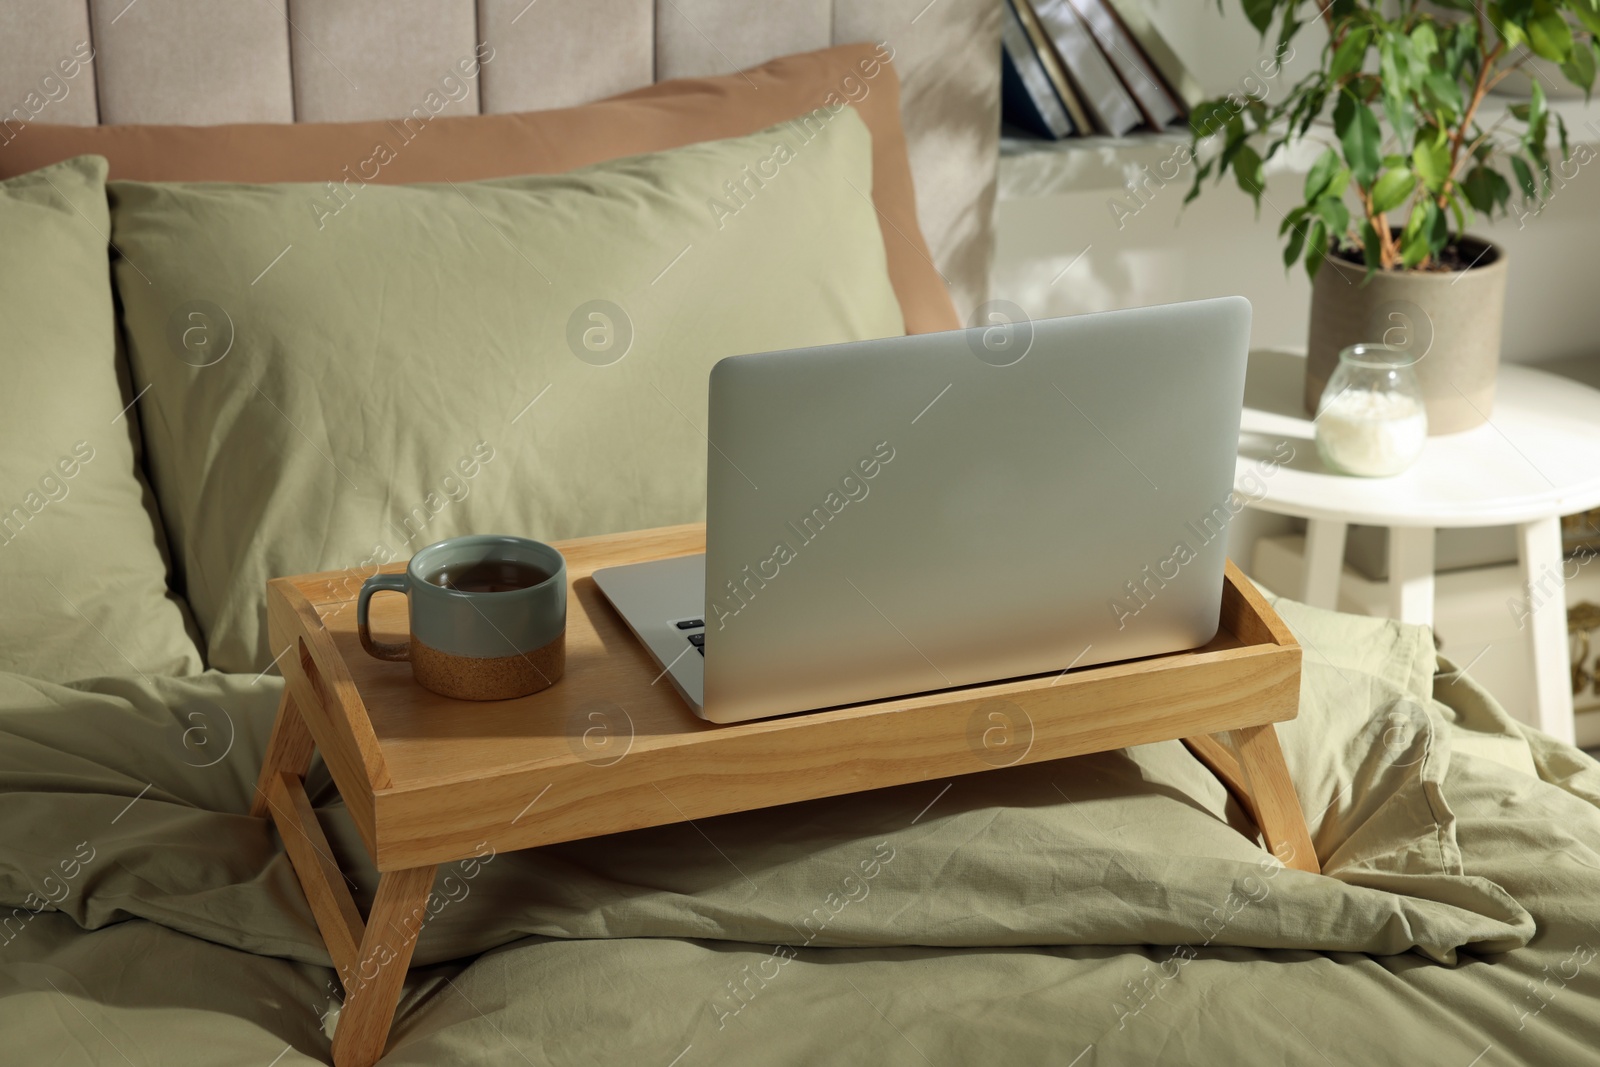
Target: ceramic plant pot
<point>1451,319</point>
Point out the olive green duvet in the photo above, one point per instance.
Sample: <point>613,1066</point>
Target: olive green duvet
<point>1113,909</point>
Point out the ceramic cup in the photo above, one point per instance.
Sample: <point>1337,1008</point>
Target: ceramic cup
<point>477,645</point>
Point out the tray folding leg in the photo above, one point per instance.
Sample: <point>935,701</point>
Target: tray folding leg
<point>289,751</point>
<point>1253,769</point>
<point>372,987</point>
<point>371,955</point>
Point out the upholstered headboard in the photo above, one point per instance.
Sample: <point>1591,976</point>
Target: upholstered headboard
<point>202,62</point>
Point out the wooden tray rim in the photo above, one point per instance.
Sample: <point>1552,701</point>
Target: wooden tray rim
<point>1273,638</point>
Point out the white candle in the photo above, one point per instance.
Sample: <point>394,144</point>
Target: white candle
<point>1370,433</point>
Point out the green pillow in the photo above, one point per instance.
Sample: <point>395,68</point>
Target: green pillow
<point>83,585</point>
<point>341,374</point>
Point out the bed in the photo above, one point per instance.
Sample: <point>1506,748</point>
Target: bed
<point>1109,909</point>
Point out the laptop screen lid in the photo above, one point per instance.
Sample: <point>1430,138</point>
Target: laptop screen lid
<point>918,513</point>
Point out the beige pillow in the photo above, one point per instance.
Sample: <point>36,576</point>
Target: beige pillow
<point>341,375</point>
<point>83,586</point>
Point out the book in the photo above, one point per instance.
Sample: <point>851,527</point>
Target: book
<point>1099,88</point>
<point>1183,85</point>
<point>1138,76</point>
<point>1063,85</point>
<point>1026,95</point>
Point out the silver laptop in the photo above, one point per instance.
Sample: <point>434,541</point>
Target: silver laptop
<point>920,513</point>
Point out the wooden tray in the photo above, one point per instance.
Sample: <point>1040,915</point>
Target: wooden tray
<point>612,747</point>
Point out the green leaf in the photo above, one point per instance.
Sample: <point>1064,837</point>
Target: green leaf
<point>1209,117</point>
<point>1457,210</point>
<point>1401,111</point>
<point>1321,174</point>
<point>1550,35</point>
<point>1313,109</point>
<point>1413,248</point>
<point>1288,28</point>
<point>1501,16</point>
<point>1358,132</point>
<point>1237,137</point>
<point>1502,191</point>
<point>1292,219</point>
<point>1334,213</point>
<point>1460,43</point>
<point>1519,166</point>
<point>1395,73</point>
<point>1445,92</point>
<point>1579,67</point>
<point>1437,229</point>
<point>1590,17</point>
<point>1341,182</point>
<point>1536,138</point>
<point>1371,247</point>
<point>1316,248</point>
<point>1542,169</point>
<point>1351,51</point>
<point>1414,238</point>
<point>1259,12</point>
<point>1247,170</point>
<point>1201,173</point>
<point>1392,189</point>
<point>1291,251</point>
<point>1424,42</point>
<point>1364,86</point>
<point>1486,189</point>
<point>1431,160</point>
<point>1417,220</point>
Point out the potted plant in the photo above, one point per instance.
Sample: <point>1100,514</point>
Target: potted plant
<point>1412,157</point>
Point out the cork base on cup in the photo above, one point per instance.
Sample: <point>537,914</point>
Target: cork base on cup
<point>499,678</point>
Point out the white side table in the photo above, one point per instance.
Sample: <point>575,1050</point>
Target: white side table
<point>1537,458</point>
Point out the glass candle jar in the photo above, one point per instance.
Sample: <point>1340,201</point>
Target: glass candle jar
<point>1371,420</point>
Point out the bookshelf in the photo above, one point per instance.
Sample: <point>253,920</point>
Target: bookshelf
<point>1092,95</point>
<point>1032,167</point>
<point>1084,68</point>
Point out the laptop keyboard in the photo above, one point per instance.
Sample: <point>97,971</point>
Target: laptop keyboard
<point>695,631</point>
<point>698,640</point>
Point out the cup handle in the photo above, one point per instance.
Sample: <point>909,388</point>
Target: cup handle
<point>380,583</point>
